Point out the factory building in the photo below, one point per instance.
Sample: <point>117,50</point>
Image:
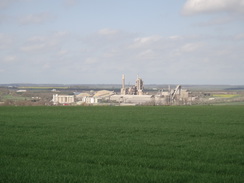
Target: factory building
<point>63,99</point>
<point>137,89</point>
<point>133,99</point>
<point>91,98</point>
<point>130,95</point>
<point>135,94</point>
<point>175,96</point>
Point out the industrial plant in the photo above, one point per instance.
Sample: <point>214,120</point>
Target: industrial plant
<point>129,95</point>
<point>136,95</point>
<point>124,94</point>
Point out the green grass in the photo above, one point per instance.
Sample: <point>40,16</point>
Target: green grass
<point>122,144</point>
<point>10,97</point>
<point>230,103</point>
<point>225,95</point>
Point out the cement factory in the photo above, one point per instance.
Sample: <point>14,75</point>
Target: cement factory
<point>131,95</point>
<point>136,95</point>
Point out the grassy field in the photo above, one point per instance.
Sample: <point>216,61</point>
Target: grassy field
<point>122,144</point>
<point>225,95</point>
<point>16,98</point>
<point>230,103</point>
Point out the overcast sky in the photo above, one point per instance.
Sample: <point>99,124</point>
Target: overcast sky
<point>96,41</point>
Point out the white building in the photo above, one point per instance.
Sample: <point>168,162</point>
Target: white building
<point>63,99</point>
<point>134,99</point>
<point>21,91</point>
<point>89,100</point>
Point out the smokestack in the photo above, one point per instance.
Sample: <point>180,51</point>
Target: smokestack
<point>123,81</point>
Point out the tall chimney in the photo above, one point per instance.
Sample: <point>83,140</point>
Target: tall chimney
<point>123,81</point>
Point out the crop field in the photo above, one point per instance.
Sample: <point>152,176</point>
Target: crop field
<point>122,144</point>
<point>225,95</point>
<point>16,98</point>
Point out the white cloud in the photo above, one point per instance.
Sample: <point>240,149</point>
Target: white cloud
<point>5,41</point>
<point>217,21</point>
<point>5,18</point>
<point>36,43</point>
<point>91,60</point>
<point>36,18</point>
<point>104,40</point>
<point>6,3</point>
<point>145,41</point>
<point>192,7</point>
<point>63,52</point>
<point>149,39</point>
<point>61,34</point>
<point>10,58</point>
<point>239,36</point>
<point>148,54</point>
<point>191,47</point>
<point>46,66</point>
<point>107,32</point>
<point>44,43</point>
<point>70,2</point>
<point>175,37</point>
<point>33,47</point>
<point>108,53</point>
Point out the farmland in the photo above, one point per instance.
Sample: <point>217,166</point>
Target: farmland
<point>225,95</point>
<point>122,144</point>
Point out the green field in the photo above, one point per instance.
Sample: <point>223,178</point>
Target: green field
<point>16,98</point>
<point>122,144</point>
